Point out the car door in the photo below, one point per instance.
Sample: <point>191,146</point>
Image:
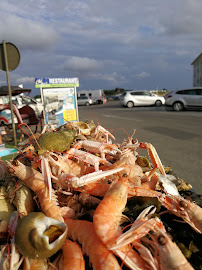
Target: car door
<point>149,98</point>
<point>191,97</point>
<point>81,100</point>
<point>199,97</point>
<point>138,98</point>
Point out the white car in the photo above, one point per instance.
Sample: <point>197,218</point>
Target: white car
<point>22,100</point>
<point>182,99</point>
<point>141,98</point>
<point>83,100</point>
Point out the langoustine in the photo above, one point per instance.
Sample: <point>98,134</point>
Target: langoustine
<point>34,180</point>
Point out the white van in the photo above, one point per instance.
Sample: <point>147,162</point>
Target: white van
<point>97,95</point>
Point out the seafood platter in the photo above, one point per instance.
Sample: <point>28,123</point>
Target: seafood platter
<point>74,198</point>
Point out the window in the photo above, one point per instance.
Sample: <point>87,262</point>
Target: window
<point>137,93</point>
<point>147,94</point>
<point>200,92</point>
<point>27,100</point>
<point>82,97</point>
<point>187,92</point>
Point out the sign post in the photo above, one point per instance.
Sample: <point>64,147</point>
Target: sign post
<point>60,91</point>
<point>9,61</point>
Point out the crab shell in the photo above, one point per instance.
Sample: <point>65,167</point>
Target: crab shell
<point>38,236</point>
<point>59,141</point>
<point>84,128</point>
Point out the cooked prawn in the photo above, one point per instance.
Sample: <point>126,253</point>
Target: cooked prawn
<point>100,257</point>
<point>97,147</point>
<point>185,209</point>
<point>168,253</point>
<point>87,157</point>
<point>107,218</point>
<point>34,180</point>
<point>190,212</point>
<point>35,264</point>
<point>72,256</point>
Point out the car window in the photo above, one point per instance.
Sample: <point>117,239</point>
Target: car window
<point>27,100</point>
<point>187,92</point>
<point>146,94</point>
<point>15,101</point>
<point>137,93</point>
<point>181,92</point>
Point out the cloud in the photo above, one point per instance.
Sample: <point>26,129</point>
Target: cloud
<point>105,42</point>
<point>143,75</point>
<point>25,80</point>
<point>82,64</point>
<point>27,34</point>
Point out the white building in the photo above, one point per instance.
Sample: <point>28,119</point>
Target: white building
<point>197,71</point>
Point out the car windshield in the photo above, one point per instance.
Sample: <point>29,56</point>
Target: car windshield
<point>28,100</point>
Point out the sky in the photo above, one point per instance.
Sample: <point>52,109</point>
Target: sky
<point>107,44</point>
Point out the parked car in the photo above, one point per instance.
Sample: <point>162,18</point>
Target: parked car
<point>83,100</point>
<point>97,95</point>
<point>22,100</point>
<point>184,99</point>
<point>140,98</point>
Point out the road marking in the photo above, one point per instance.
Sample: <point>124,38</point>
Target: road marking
<point>124,118</point>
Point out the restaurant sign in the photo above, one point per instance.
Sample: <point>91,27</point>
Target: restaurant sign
<point>56,82</point>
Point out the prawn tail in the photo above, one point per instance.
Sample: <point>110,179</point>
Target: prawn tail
<point>72,256</point>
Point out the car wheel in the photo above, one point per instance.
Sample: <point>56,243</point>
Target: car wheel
<point>130,104</point>
<point>178,106</point>
<point>158,103</point>
<point>87,104</point>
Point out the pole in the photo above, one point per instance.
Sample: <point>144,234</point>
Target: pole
<point>9,91</point>
<point>75,96</point>
<point>42,99</point>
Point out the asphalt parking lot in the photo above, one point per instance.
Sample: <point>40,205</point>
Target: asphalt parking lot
<point>177,136</point>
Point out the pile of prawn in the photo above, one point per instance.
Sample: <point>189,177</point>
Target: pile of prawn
<point>74,198</point>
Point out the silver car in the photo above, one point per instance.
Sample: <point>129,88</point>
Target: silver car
<point>141,98</point>
<point>83,100</point>
<point>184,99</point>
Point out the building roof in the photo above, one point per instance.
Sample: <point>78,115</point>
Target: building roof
<point>197,58</point>
<point>15,90</point>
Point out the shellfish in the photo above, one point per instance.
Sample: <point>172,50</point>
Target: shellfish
<point>38,236</point>
<point>58,141</point>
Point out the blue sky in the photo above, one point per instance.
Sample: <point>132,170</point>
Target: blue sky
<point>131,44</point>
